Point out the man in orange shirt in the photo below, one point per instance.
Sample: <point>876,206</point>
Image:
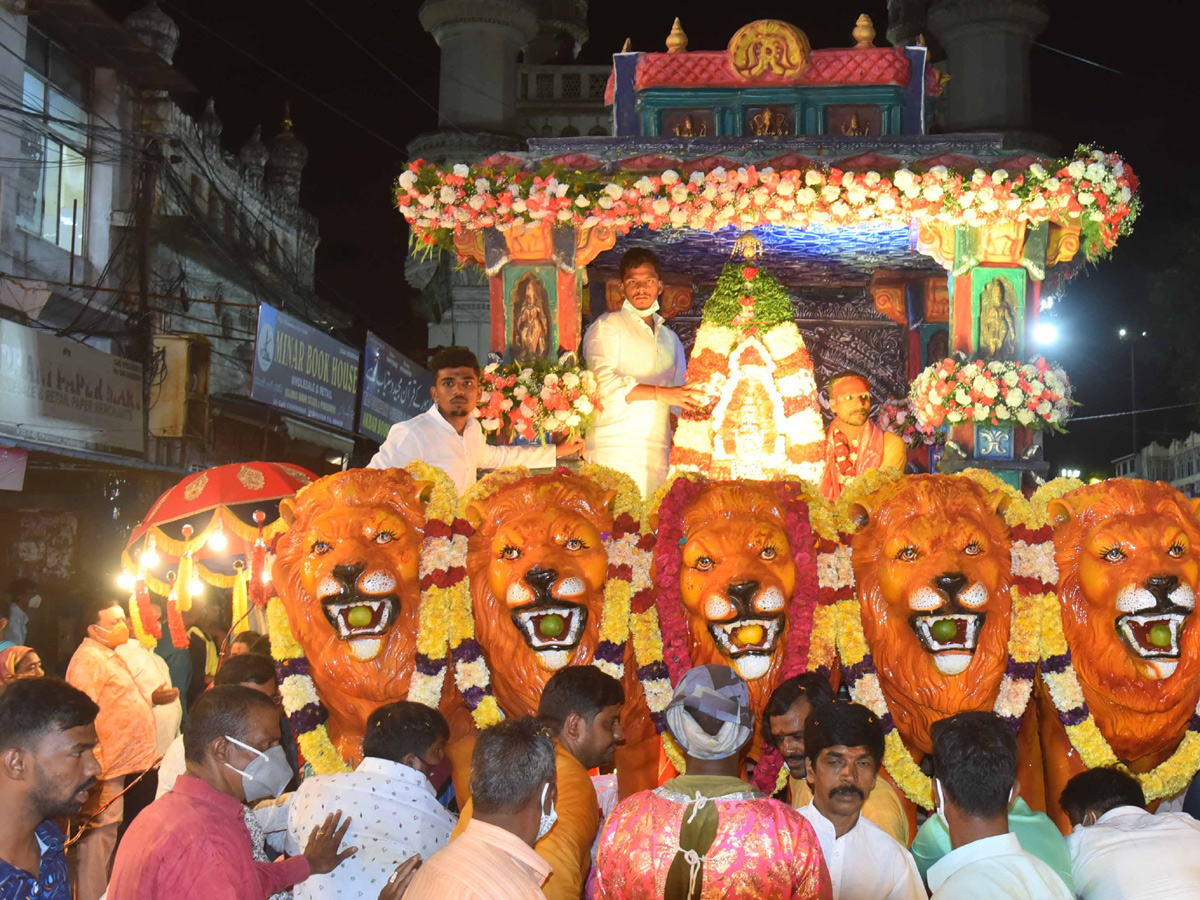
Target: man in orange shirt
<point>127,733</point>
<point>512,789</point>
<point>854,444</point>
<point>581,708</point>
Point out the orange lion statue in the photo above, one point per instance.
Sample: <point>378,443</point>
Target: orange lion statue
<point>932,560</point>
<point>537,567</point>
<point>1128,559</point>
<point>347,573</point>
<point>726,571</point>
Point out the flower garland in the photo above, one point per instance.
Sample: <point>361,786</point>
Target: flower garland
<point>1002,392</point>
<point>443,575</point>
<point>1016,685</point>
<point>1169,777</point>
<point>1091,190</point>
<point>539,399</point>
<point>897,416</point>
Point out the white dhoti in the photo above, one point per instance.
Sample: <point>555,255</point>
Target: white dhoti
<point>632,437</point>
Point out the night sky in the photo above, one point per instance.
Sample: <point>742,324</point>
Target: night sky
<point>1142,111</point>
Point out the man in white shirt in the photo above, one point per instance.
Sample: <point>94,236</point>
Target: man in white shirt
<point>1121,852</point>
<point>447,435</point>
<point>150,672</point>
<point>843,743</point>
<point>975,766</point>
<point>24,597</point>
<point>640,366</point>
<point>388,799</point>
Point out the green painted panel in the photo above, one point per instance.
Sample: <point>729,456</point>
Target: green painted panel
<point>534,290</point>
<point>998,312</point>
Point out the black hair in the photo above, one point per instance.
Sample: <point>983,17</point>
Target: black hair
<point>221,711</point>
<point>32,707</point>
<point>96,604</point>
<point>842,724</point>
<point>812,687</point>
<point>452,358</point>
<point>975,761</point>
<point>20,586</point>
<point>249,638</point>
<point>640,256</point>
<point>398,729</point>
<point>245,667</point>
<point>845,373</point>
<point>583,690</point>
<point>1099,790</point>
<point>510,763</point>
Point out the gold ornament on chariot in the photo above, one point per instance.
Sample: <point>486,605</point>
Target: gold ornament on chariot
<point>747,246</point>
<point>300,476</point>
<point>195,487</point>
<point>769,49</point>
<point>251,479</point>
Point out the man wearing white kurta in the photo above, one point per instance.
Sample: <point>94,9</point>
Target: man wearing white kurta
<point>640,367</point>
<point>448,436</point>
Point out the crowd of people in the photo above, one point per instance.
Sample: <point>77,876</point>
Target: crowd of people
<point>218,809</point>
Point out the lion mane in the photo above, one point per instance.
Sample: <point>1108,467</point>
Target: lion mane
<point>1139,716</point>
<point>938,514</point>
<point>523,508</point>
<point>344,512</point>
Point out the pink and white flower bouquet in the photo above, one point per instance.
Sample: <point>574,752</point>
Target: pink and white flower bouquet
<point>956,391</point>
<point>537,401</point>
<point>898,417</point>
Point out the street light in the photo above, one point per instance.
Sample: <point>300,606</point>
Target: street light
<point>1068,473</point>
<point>1045,333</point>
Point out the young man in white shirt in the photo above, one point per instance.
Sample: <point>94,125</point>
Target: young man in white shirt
<point>975,780</point>
<point>449,436</point>
<point>1121,852</point>
<point>843,743</point>
<point>640,367</point>
<point>393,811</point>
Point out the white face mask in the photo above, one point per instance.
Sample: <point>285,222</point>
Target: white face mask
<point>35,601</point>
<point>941,803</point>
<point>268,773</point>
<point>548,818</point>
<point>644,313</point>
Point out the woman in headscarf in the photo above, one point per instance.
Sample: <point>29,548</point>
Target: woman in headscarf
<point>19,662</point>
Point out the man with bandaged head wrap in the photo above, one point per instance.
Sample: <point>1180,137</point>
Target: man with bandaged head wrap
<point>707,834</point>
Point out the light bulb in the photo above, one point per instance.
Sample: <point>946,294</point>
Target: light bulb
<point>150,558</point>
<point>266,575</point>
<point>218,541</point>
<point>126,581</point>
<point>196,587</point>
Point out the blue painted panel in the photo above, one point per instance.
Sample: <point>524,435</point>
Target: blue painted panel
<point>994,442</point>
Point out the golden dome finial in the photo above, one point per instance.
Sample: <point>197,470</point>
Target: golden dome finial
<point>747,246</point>
<point>677,41</point>
<point>864,33</point>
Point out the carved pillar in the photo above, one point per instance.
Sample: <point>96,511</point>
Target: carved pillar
<point>535,284</point>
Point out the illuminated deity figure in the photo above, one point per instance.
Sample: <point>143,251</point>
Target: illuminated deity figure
<point>537,567</point>
<point>997,319</point>
<point>347,573</point>
<point>1128,558</point>
<point>769,122</point>
<point>531,318</point>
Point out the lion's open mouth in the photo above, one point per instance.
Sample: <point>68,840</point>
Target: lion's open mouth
<point>951,639</point>
<point>362,621</point>
<point>551,631</point>
<point>748,642</point>
<point>1154,638</point>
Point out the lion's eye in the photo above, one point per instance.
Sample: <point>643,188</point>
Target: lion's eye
<point>1176,550</point>
<point>575,544</point>
<point>321,547</point>
<point>973,549</point>
<point>704,564</point>
<point>385,537</point>
<point>1114,554</point>
<point>510,553</point>
<point>768,552</point>
<point>908,554</point>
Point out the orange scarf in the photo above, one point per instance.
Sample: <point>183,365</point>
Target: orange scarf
<point>839,467</point>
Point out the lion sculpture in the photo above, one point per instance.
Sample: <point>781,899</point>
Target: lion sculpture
<point>537,567</point>
<point>1128,555</point>
<point>736,579</point>
<point>933,569</point>
<point>346,571</point>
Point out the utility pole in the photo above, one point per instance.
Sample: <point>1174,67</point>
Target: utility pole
<point>144,329</point>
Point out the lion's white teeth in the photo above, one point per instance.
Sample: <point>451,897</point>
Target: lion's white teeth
<point>973,623</point>
<point>365,649</point>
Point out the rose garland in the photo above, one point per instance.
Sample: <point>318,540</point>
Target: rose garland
<point>1091,190</point>
<point>858,666</point>
<point>1169,777</point>
<point>956,391</point>
<point>627,572</point>
<point>443,576</point>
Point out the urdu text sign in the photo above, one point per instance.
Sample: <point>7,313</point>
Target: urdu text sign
<point>303,370</point>
<point>394,389</point>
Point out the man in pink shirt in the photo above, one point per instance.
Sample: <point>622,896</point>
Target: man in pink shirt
<point>513,788</point>
<point>192,843</point>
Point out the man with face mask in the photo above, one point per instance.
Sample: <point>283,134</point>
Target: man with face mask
<point>47,766</point>
<point>128,737</point>
<point>390,798</point>
<point>581,707</point>
<point>512,786</point>
<point>193,843</point>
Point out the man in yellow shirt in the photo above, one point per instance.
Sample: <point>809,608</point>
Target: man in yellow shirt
<point>783,728</point>
<point>581,708</point>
